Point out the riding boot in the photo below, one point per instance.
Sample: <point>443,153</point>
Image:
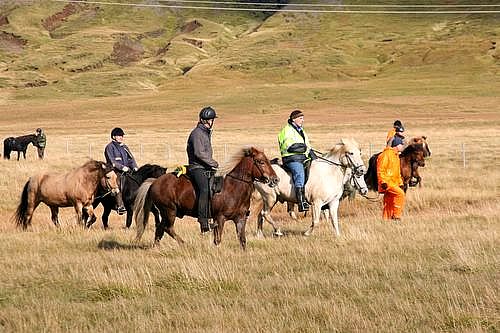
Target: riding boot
<point>204,226</point>
<point>301,199</point>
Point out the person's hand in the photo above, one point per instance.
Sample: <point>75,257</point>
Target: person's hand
<point>383,186</point>
<point>125,169</point>
<point>135,169</point>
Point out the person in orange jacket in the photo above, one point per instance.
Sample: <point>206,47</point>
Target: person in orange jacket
<point>397,129</point>
<point>389,179</point>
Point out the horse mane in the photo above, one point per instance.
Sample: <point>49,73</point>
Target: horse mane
<point>342,146</point>
<point>411,148</point>
<point>234,160</point>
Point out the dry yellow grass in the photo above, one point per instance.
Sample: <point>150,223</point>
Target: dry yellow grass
<point>436,271</point>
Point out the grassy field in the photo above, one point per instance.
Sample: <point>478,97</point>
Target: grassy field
<point>437,270</point>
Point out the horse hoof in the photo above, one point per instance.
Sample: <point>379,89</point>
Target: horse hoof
<point>308,232</point>
<point>278,233</point>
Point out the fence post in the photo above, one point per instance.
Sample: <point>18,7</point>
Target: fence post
<point>141,151</point>
<point>67,146</point>
<point>370,149</point>
<point>225,152</point>
<point>463,155</point>
<point>168,153</point>
<point>90,150</point>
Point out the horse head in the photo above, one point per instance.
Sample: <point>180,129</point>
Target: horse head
<point>351,158</point>
<point>423,141</point>
<point>261,169</point>
<point>109,180</point>
<point>416,153</point>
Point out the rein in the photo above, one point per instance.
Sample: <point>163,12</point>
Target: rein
<point>248,181</point>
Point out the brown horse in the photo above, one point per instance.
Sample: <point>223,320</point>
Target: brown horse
<point>415,177</point>
<point>175,197</point>
<point>75,188</point>
<point>412,156</point>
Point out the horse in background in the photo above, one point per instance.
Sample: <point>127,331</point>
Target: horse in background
<point>175,197</point>
<point>324,188</point>
<point>75,188</point>
<point>410,158</point>
<point>129,184</point>
<point>415,177</point>
<point>19,144</point>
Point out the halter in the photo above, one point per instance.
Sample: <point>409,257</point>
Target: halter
<point>108,187</point>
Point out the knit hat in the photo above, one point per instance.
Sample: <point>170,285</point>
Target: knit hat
<point>296,114</point>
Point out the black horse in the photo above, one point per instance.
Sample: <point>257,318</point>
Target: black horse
<point>19,144</point>
<point>129,183</point>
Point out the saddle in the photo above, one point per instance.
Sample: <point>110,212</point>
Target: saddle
<point>215,182</point>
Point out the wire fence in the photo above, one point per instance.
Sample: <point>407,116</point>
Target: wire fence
<point>462,154</point>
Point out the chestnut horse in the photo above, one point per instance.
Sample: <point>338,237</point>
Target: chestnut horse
<point>411,157</point>
<point>75,188</point>
<point>175,197</point>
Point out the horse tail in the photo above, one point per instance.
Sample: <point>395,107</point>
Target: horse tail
<point>22,209</point>
<point>142,207</point>
<point>371,178</point>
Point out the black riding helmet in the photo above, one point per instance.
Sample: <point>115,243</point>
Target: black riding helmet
<point>117,131</point>
<point>207,113</point>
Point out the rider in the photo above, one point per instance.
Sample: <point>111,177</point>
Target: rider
<point>41,142</point>
<point>295,149</point>
<point>201,163</point>
<point>397,129</point>
<point>389,179</point>
<point>119,156</point>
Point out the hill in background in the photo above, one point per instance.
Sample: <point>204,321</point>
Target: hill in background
<point>61,49</point>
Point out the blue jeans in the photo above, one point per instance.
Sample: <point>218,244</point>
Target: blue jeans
<point>298,174</point>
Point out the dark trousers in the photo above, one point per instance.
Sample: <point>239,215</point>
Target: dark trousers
<point>200,180</point>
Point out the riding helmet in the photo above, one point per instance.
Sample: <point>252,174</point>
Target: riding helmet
<point>39,130</point>
<point>207,113</point>
<point>117,131</point>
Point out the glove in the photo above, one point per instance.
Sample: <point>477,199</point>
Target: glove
<point>135,169</point>
<point>125,169</point>
<point>383,186</point>
<point>312,155</point>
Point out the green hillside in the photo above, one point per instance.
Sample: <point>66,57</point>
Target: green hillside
<point>60,49</point>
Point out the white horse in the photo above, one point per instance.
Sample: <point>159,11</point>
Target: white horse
<point>325,186</point>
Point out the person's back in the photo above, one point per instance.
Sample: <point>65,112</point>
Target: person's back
<point>202,163</point>
<point>41,142</point>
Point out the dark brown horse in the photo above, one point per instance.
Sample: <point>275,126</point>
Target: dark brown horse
<point>410,157</point>
<point>129,184</point>
<point>175,197</point>
<point>19,144</point>
<point>415,177</point>
<point>75,188</point>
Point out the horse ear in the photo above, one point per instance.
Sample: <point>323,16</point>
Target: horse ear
<point>424,137</point>
<point>247,152</point>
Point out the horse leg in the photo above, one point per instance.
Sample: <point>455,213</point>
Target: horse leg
<point>54,210</point>
<point>156,214</point>
<point>128,219</point>
<point>333,208</point>
<point>265,213</point>
<point>240,230</point>
<point>105,216</point>
<point>291,211</point>
<point>219,229</point>
<point>91,216</point>
<point>79,212</point>
<point>316,212</point>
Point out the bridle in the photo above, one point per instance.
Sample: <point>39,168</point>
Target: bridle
<point>357,170</point>
<point>254,179</point>
<point>109,188</point>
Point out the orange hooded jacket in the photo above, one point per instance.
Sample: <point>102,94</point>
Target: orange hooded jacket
<point>389,169</point>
